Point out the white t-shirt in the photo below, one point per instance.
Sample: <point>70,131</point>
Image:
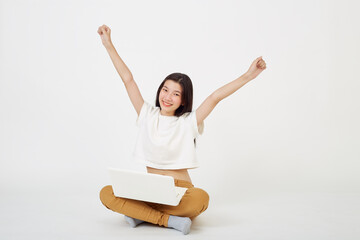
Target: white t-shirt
<point>166,142</point>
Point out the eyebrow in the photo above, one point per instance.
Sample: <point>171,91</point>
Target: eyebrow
<point>175,90</point>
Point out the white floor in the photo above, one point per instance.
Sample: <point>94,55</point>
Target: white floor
<point>46,214</point>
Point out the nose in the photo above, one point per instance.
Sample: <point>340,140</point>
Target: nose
<point>167,97</point>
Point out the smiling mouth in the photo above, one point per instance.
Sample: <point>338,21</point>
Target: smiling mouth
<point>166,105</point>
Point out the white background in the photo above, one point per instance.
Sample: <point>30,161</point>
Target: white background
<point>65,115</point>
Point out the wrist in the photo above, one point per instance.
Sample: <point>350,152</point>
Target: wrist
<point>247,77</point>
<point>108,45</point>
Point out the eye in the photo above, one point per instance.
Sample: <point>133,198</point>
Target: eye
<point>164,89</point>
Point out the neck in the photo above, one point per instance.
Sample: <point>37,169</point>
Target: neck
<point>162,112</point>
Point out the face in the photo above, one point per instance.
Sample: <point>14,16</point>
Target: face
<point>170,97</point>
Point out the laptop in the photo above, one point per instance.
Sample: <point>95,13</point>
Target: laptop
<point>146,187</point>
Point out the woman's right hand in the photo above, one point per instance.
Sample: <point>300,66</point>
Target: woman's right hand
<point>104,32</point>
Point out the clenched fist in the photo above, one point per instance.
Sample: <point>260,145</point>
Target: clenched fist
<point>257,66</point>
<point>104,32</point>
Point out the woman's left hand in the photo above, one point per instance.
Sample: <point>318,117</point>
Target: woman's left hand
<point>256,68</point>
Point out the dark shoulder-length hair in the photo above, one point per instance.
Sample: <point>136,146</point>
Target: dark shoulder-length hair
<point>187,92</point>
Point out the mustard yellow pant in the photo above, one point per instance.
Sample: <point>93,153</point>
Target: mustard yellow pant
<point>194,202</point>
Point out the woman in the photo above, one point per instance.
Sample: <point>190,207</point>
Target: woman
<point>167,140</point>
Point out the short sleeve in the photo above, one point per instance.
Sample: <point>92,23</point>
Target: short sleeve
<point>145,109</point>
<point>197,130</point>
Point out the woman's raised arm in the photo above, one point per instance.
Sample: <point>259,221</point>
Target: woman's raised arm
<point>124,72</point>
<point>210,102</point>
